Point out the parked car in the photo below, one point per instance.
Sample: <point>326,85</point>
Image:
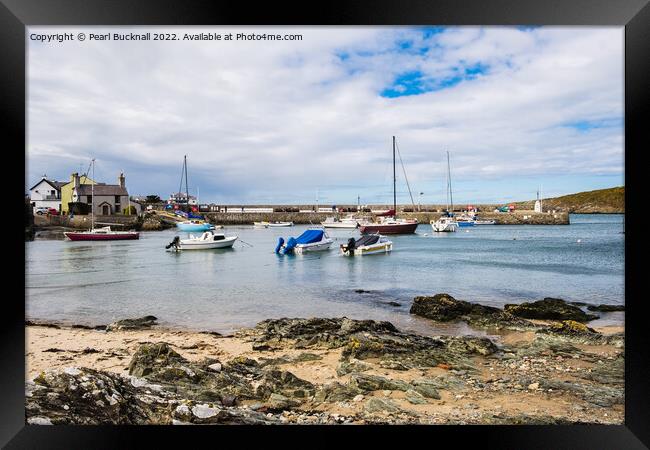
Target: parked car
<point>40,210</point>
<point>53,211</point>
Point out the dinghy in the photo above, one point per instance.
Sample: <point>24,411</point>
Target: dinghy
<point>367,245</point>
<point>208,240</point>
<point>312,240</point>
<point>280,224</point>
<point>261,224</point>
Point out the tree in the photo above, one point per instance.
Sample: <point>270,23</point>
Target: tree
<point>153,199</point>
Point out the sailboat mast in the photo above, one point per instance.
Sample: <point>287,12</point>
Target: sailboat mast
<point>92,196</point>
<point>187,189</point>
<point>394,181</point>
<point>451,195</point>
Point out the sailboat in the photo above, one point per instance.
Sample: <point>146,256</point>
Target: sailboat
<point>389,224</point>
<point>446,223</point>
<point>99,234</point>
<point>193,223</point>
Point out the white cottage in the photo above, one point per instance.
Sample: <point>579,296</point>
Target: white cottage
<point>46,193</point>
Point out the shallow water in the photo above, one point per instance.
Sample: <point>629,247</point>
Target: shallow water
<point>222,290</point>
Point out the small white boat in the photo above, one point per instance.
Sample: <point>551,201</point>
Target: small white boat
<point>444,224</point>
<point>484,222</point>
<point>367,245</point>
<point>335,222</point>
<point>195,225</point>
<point>208,240</point>
<point>261,224</point>
<point>312,240</point>
<point>280,224</point>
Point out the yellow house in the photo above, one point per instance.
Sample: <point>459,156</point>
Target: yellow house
<point>66,190</point>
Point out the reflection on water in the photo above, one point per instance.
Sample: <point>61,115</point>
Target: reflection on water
<point>224,289</point>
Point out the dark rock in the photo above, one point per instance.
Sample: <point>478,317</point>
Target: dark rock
<point>336,392</point>
<point>41,324</point>
<point>53,350</point>
<point>312,333</point>
<point>376,383</point>
<point>393,304</point>
<point>549,309</point>
<point>581,334</point>
<point>90,397</point>
<point>445,308</point>
<point>381,405</point>
<point>351,365</point>
<point>132,324</point>
<point>606,308</point>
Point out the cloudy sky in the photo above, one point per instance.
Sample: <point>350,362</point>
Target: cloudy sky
<point>308,120</point>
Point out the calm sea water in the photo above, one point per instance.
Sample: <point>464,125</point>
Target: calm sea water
<point>222,290</point>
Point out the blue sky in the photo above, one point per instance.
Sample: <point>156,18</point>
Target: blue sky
<point>301,121</point>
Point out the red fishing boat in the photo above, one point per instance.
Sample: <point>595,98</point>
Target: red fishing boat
<point>388,223</point>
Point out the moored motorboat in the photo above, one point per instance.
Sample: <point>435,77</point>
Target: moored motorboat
<point>280,224</point>
<point>444,224</point>
<point>484,222</point>
<point>312,240</point>
<point>367,245</point>
<point>464,221</point>
<point>208,240</point>
<point>335,222</point>
<point>101,234</point>
<point>261,224</point>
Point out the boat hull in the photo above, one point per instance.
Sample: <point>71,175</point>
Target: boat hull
<point>485,222</point>
<point>462,224</point>
<point>383,247</point>
<point>315,247</point>
<point>188,244</point>
<point>393,228</point>
<point>340,225</point>
<point>443,228</point>
<point>281,224</point>
<point>123,236</point>
<point>194,226</point>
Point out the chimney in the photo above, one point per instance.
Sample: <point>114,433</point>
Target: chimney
<point>120,179</point>
<point>75,177</point>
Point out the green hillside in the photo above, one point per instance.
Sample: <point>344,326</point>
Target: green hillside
<point>604,201</point>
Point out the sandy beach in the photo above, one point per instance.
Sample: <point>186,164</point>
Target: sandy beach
<point>508,385</point>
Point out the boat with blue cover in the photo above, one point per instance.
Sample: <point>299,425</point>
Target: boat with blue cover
<point>312,240</point>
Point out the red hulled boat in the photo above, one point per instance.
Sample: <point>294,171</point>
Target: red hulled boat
<point>388,224</point>
<point>101,234</point>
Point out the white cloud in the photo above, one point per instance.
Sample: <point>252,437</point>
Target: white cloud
<point>275,121</point>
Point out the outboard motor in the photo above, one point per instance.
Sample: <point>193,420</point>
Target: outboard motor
<point>291,244</point>
<point>175,243</point>
<point>279,246</point>
<point>349,248</point>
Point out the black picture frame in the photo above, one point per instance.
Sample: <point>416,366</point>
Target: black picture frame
<point>634,15</point>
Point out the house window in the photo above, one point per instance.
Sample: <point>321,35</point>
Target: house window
<point>117,199</point>
<point>89,199</point>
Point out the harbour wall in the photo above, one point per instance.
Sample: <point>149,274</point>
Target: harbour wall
<point>514,218</point>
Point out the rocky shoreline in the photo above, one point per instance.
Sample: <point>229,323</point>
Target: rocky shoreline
<point>550,368</point>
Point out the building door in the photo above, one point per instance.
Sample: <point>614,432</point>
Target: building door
<point>106,210</point>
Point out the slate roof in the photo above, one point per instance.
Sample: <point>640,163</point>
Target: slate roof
<point>55,184</point>
<point>102,189</point>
